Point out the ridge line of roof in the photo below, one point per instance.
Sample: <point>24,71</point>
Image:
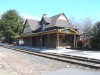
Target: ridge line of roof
<point>33,19</point>
<point>57,15</point>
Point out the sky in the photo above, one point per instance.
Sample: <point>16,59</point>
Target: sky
<point>34,9</point>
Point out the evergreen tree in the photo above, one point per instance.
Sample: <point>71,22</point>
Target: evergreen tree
<point>95,42</point>
<point>10,25</point>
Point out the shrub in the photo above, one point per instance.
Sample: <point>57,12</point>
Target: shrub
<point>79,43</point>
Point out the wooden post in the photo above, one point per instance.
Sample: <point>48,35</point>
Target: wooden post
<point>57,40</point>
<point>41,41</point>
<point>31,41</point>
<point>74,41</point>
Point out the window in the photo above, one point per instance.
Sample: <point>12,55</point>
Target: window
<point>43,27</point>
<point>27,30</point>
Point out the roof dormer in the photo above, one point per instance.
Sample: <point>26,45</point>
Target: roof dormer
<point>45,20</point>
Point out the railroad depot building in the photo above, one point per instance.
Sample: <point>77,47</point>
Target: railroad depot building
<point>49,32</point>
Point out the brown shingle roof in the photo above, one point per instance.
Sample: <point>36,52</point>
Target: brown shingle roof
<point>55,22</point>
<point>34,24</point>
<point>63,23</point>
<point>52,22</point>
<point>48,20</point>
<point>55,17</point>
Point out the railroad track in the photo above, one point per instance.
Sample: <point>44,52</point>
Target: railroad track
<point>83,61</point>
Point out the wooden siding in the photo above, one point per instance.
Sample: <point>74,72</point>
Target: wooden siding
<point>27,41</point>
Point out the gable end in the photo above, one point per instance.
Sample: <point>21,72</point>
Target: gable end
<point>26,28</point>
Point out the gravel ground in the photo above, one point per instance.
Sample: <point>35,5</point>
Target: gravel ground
<point>6,69</point>
<point>26,64</point>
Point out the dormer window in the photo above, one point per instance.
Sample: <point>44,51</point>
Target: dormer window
<point>43,27</point>
<point>98,26</point>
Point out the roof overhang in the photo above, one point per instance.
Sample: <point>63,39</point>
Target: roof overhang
<point>63,31</point>
<point>69,31</point>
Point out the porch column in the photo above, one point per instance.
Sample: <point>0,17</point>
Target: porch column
<point>57,40</point>
<point>41,41</point>
<point>31,41</point>
<point>74,41</point>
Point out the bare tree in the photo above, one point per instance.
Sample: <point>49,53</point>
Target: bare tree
<point>87,31</point>
<point>85,28</point>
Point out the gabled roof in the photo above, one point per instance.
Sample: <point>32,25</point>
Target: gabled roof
<point>34,24</point>
<point>63,23</point>
<point>47,20</point>
<point>53,21</point>
<point>55,17</point>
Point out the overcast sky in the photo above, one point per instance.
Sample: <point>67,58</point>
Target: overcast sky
<point>79,9</point>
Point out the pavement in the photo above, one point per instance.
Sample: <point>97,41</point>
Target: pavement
<point>19,63</point>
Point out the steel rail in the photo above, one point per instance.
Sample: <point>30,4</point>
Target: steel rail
<point>83,61</point>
